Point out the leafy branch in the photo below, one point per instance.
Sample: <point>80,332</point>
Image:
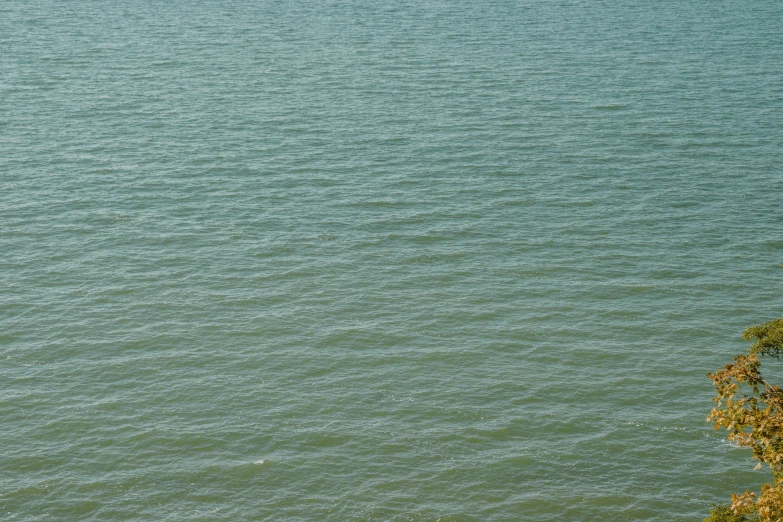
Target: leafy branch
<point>751,410</point>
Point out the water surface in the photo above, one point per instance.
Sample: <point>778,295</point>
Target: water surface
<point>381,260</point>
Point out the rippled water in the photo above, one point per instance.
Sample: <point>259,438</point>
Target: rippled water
<point>435,260</point>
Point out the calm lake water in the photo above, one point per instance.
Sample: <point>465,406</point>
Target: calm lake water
<point>368,261</point>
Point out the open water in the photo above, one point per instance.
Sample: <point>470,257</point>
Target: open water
<point>369,261</point>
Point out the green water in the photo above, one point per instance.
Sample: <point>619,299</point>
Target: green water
<point>369,261</point>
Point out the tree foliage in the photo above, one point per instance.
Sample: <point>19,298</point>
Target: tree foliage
<point>751,410</point>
